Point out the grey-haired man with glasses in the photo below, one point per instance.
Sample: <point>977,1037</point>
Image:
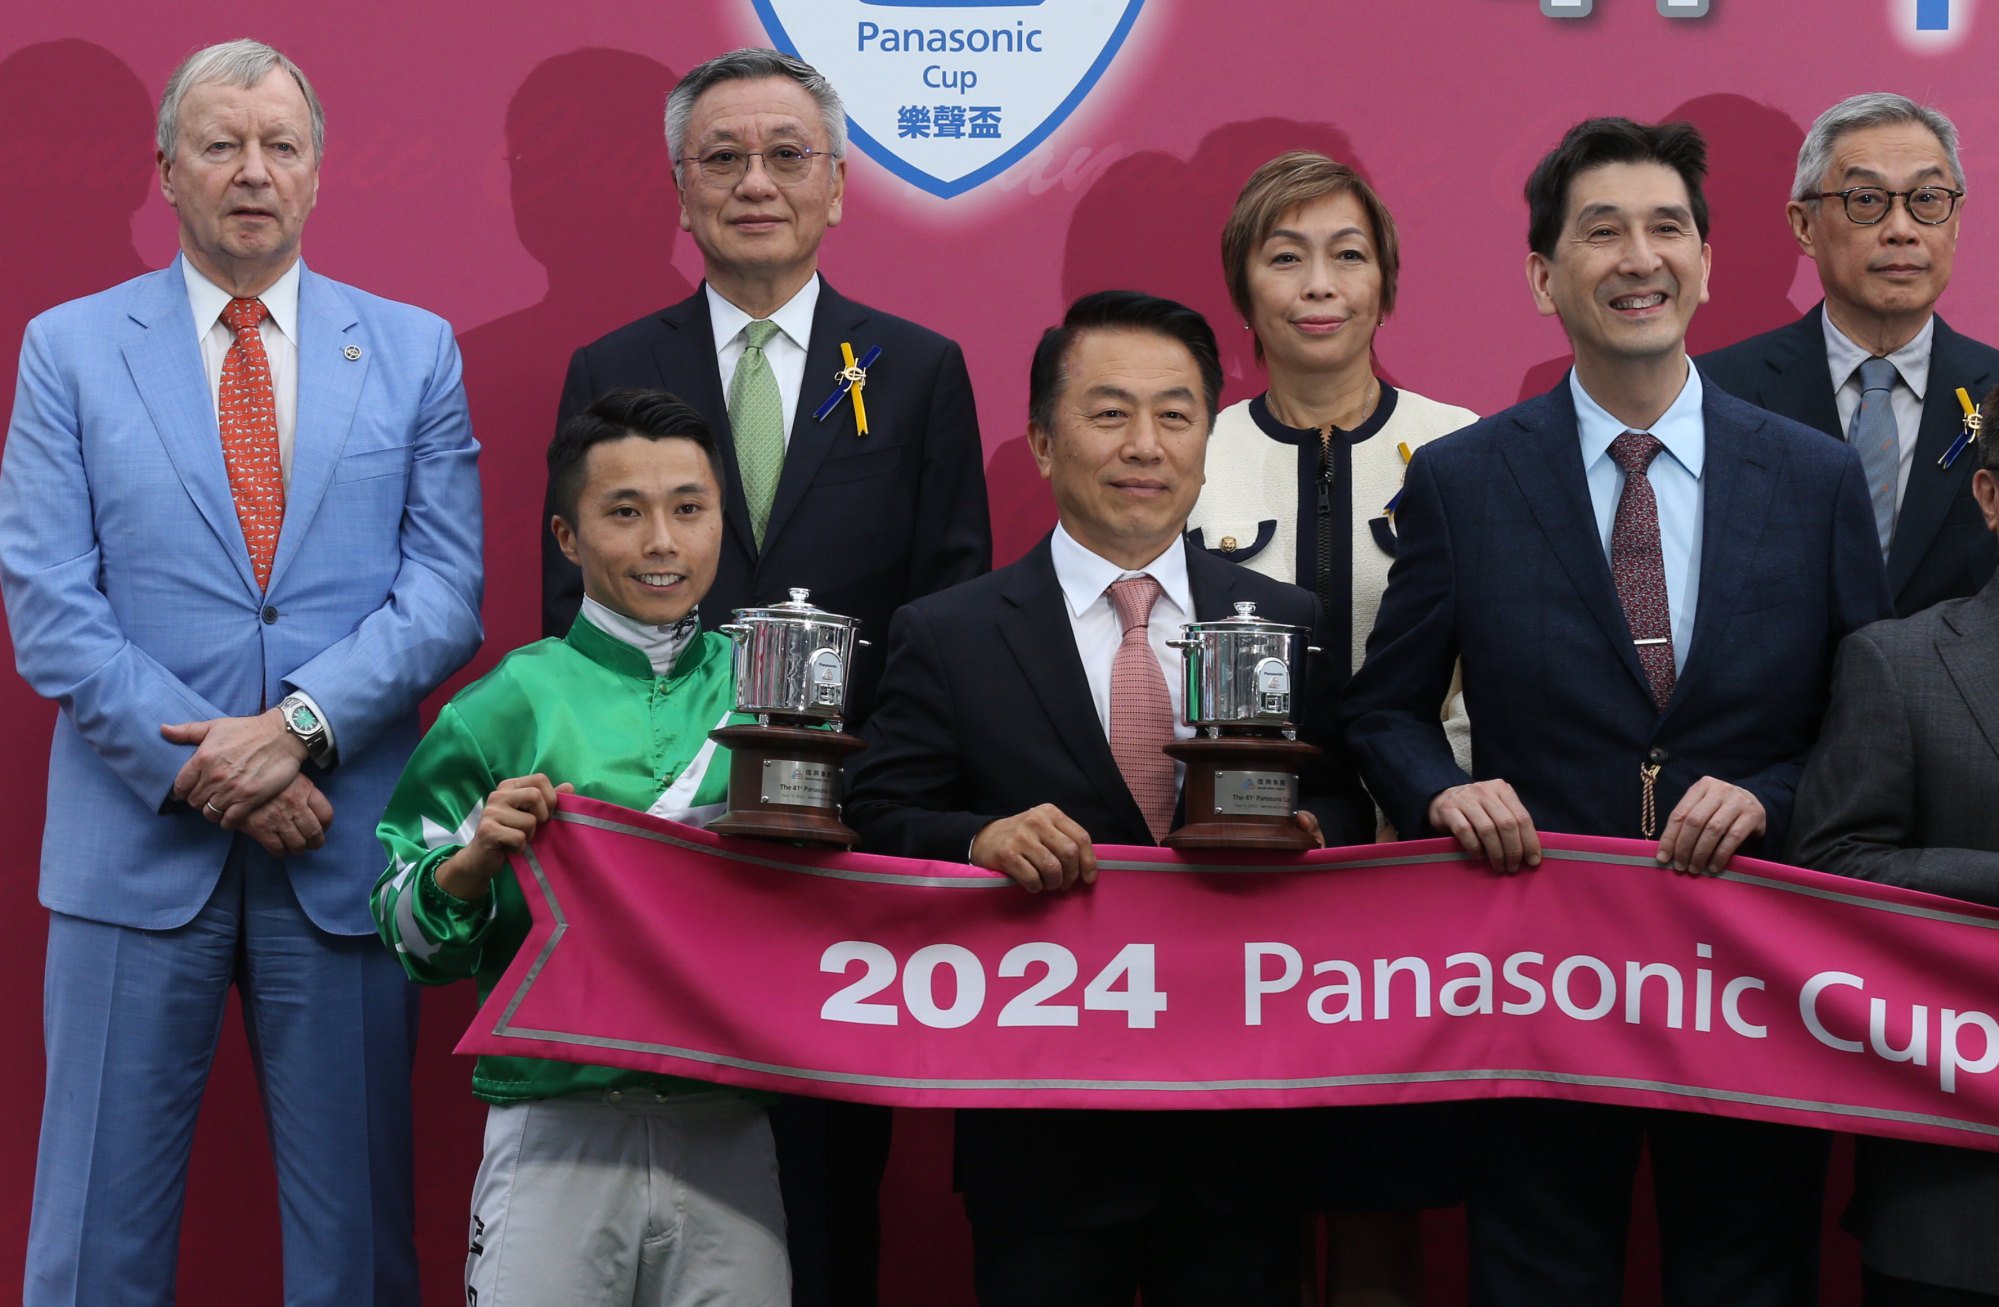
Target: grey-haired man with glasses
<point>1876,203</point>
<point>866,514</point>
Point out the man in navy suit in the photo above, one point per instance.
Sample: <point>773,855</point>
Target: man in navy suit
<point>239,542</point>
<point>866,520</point>
<point>1646,655</point>
<point>1000,739</point>
<point>1876,204</point>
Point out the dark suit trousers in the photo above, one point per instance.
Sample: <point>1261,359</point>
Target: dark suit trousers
<point>1178,1256</point>
<point>1739,1206</point>
<point>830,1159</point>
<point>1880,1290</point>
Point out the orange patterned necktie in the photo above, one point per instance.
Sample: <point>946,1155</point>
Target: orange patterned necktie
<point>248,414</point>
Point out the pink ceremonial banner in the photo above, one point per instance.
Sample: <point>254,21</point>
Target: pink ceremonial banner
<point>1381,974</point>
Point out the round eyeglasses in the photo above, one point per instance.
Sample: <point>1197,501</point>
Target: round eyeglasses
<point>1867,205</point>
<point>785,164</point>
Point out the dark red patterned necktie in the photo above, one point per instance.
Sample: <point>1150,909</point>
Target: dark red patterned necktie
<point>1637,565</point>
<point>248,415</point>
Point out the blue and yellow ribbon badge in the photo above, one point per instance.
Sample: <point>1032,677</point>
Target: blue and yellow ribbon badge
<point>1972,422</point>
<point>1388,509</point>
<point>851,380</point>
<point>1383,528</point>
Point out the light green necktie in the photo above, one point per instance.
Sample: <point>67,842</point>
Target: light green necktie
<point>756,419</point>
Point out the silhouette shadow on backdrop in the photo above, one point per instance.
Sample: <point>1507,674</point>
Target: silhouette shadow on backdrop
<point>78,177</point>
<point>1752,154</point>
<point>1153,222</point>
<point>594,204</point>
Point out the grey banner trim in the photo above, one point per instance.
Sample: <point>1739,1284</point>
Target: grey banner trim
<point>1234,869</point>
<point>547,951</point>
<point>1166,1087</point>
<point>750,860</point>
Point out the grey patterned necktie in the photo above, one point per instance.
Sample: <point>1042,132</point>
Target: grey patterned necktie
<point>756,420</point>
<point>1874,436</point>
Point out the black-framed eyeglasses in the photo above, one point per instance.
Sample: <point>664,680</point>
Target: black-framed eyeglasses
<point>785,163</point>
<point>1867,205</point>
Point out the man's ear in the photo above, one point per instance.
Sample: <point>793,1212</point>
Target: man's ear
<point>1539,272</point>
<point>565,538</point>
<point>1038,444</point>
<point>1985,489</point>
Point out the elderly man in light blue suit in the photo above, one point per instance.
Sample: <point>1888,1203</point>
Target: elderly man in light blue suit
<point>238,665</point>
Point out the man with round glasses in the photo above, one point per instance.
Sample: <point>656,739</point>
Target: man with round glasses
<point>868,515</point>
<point>1876,203</point>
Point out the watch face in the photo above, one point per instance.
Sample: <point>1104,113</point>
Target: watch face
<point>303,720</point>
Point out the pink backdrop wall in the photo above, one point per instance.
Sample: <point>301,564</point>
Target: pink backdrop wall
<point>500,164</point>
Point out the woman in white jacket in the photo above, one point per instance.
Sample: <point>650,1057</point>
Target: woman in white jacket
<point>1301,486</point>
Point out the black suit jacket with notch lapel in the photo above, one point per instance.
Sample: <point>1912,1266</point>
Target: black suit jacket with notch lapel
<point>985,712</point>
<point>1941,548</point>
<point>866,523</point>
<point>1499,564</point>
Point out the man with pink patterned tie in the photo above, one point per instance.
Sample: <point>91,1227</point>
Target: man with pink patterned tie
<point>1020,724</point>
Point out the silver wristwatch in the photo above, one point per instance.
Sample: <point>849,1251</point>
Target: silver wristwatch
<point>302,720</point>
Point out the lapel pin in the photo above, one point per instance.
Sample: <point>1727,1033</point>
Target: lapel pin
<point>1228,544</point>
<point>352,352</point>
<point>1972,422</point>
<point>850,380</point>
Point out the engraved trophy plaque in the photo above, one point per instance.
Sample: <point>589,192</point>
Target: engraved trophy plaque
<point>792,661</point>
<point>1241,787</point>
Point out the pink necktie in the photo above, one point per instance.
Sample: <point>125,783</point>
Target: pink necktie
<point>248,414</point>
<point>1638,566</point>
<point>1141,709</point>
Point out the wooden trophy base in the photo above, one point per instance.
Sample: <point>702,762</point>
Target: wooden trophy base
<point>784,784</point>
<point>1241,792</point>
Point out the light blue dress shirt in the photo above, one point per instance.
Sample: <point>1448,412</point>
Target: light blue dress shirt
<point>1676,484</point>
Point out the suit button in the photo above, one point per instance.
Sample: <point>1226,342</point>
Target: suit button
<point>1657,757</point>
<point>660,1097</point>
<point>615,1096</point>
<point>270,615</point>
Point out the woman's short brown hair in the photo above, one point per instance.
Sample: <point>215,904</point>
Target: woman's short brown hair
<point>1293,178</point>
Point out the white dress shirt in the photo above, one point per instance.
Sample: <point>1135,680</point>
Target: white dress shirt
<point>785,352</point>
<point>1086,581</point>
<point>1675,474</point>
<point>1912,368</point>
<point>279,333</point>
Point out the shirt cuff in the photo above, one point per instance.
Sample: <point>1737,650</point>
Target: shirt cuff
<point>440,904</point>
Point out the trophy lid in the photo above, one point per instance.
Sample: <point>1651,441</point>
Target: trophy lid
<point>1245,621</point>
<point>799,608</point>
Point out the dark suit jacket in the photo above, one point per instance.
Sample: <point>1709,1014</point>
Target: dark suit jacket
<point>1499,564</point>
<point>984,713</point>
<point>1899,791</point>
<point>1941,548</point>
<point>866,523</point>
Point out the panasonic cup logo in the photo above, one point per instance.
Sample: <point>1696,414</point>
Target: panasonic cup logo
<point>1931,26</point>
<point>948,94</point>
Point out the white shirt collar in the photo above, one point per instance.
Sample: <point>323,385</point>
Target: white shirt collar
<point>662,645</point>
<point>794,318</point>
<point>1912,361</point>
<point>1084,576</point>
<point>1680,428</point>
<point>207,299</point>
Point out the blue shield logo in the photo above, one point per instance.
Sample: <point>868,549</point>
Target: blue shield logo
<point>947,94</point>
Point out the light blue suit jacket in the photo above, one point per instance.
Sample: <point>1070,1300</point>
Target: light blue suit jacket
<point>131,601</point>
